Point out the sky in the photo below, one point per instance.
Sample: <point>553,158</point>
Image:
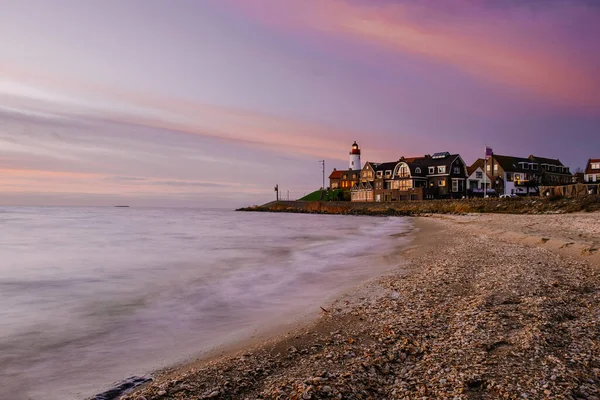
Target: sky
<point>210,103</point>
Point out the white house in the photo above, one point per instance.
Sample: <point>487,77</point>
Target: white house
<point>592,171</point>
<point>476,178</point>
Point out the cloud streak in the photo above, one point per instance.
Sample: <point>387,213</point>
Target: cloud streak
<point>515,45</point>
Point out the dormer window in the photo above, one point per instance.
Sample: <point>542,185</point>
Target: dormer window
<point>442,169</point>
<point>388,173</point>
<point>417,170</point>
<point>534,167</point>
<point>432,170</point>
<point>595,166</point>
<point>379,174</point>
<point>525,165</point>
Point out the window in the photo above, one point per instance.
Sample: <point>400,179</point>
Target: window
<point>534,167</point>
<point>456,170</point>
<point>432,170</point>
<point>525,165</point>
<point>489,167</point>
<point>344,176</point>
<point>379,174</point>
<point>442,183</point>
<point>404,172</point>
<point>353,176</point>
<point>455,185</point>
<point>479,175</point>
<point>388,173</point>
<point>442,169</point>
<point>405,184</point>
<point>509,177</point>
<point>417,170</point>
<point>595,166</point>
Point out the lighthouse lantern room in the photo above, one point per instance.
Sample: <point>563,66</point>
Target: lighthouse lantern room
<point>355,157</point>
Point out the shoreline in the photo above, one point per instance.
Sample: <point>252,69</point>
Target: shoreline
<point>274,333</point>
<point>451,324</point>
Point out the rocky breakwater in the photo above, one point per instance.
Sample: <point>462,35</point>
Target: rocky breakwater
<point>528,205</point>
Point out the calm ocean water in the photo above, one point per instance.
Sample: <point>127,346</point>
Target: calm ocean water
<point>90,296</point>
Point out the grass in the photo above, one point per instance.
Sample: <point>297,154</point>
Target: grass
<point>330,195</point>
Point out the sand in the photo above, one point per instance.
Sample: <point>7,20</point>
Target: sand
<point>486,306</point>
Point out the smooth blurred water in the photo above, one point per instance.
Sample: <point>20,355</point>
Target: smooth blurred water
<point>89,296</point>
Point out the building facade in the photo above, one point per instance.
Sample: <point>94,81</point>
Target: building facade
<point>439,176</point>
<point>524,176</point>
<point>592,171</point>
<point>477,179</point>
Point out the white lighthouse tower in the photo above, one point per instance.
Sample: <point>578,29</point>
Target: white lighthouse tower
<point>355,157</point>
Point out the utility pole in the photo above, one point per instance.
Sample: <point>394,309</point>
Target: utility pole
<point>323,163</point>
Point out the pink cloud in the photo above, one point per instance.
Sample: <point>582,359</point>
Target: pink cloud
<point>247,127</point>
<point>519,48</point>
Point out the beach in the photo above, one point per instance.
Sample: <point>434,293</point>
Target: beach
<point>485,306</point>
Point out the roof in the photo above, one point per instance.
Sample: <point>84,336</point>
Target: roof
<point>542,160</point>
<point>511,164</point>
<point>588,168</point>
<point>386,166</point>
<point>336,174</point>
<point>479,163</point>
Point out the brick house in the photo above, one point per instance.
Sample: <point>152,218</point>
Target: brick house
<point>335,178</point>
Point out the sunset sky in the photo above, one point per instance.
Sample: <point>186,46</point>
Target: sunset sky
<point>210,103</point>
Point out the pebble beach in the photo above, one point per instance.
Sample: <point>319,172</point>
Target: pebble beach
<point>485,306</point>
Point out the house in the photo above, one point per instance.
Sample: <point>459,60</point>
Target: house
<point>446,175</point>
<point>334,179</point>
<point>476,179</point>
<point>523,176</point>
<point>439,176</point>
<point>592,171</point>
<point>553,172</point>
<point>349,178</point>
<point>362,191</point>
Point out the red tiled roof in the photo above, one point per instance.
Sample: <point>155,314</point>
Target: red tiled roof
<point>588,169</point>
<point>336,175</point>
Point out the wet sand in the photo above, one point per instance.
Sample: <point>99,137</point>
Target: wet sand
<point>486,306</point>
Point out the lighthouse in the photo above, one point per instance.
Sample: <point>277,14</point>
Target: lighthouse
<point>355,157</point>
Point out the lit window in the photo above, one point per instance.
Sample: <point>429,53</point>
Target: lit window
<point>442,169</point>
<point>442,182</point>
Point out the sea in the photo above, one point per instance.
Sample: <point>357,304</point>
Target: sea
<point>92,296</point>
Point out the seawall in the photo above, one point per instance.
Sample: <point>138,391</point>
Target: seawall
<point>530,205</point>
